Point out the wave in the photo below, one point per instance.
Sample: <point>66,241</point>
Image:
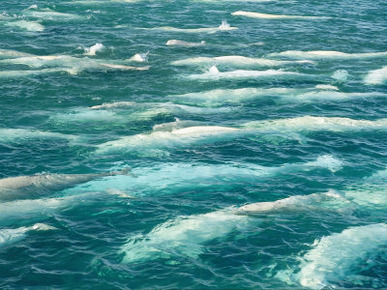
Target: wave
<point>274,16</point>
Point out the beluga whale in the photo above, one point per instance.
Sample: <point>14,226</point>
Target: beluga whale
<point>30,186</point>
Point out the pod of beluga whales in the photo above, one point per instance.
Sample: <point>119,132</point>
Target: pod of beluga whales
<point>38,197</point>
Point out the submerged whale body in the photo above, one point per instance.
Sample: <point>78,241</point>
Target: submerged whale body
<point>332,258</point>
<point>27,186</point>
<point>9,236</point>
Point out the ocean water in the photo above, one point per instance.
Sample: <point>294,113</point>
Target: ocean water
<point>193,144</point>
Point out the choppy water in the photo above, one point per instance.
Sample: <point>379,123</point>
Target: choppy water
<point>156,147</point>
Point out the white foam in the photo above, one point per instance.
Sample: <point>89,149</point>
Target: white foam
<point>376,77</point>
<point>323,54</point>
<point>214,74</point>
<point>26,25</point>
<point>274,16</point>
<point>334,257</point>
<point>181,43</point>
<point>92,50</point>
<point>183,236</point>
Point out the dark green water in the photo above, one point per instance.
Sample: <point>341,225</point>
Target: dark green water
<point>132,173</point>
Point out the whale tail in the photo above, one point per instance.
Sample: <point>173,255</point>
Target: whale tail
<point>125,171</point>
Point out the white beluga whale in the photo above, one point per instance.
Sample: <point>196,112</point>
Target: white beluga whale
<point>31,186</point>
<point>184,236</point>
<point>163,139</point>
<point>274,16</point>
<point>47,14</point>
<point>10,236</point>
<point>139,57</point>
<point>328,54</point>
<point>223,27</point>
<point>312,123</point>
<point>222,97</point>
<point>166,178</point>
<point>62,63</point>
<point>328,201</point>
<point>334,259</point>
<point>235,60</point>
<point>376,77</point>
<point>94,49</point>
<point>214,74</point>
<point>181,43</point>
<point>32,26</point>
<point>7,53</point>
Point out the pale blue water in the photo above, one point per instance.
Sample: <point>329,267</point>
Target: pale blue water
<point>298,127</point>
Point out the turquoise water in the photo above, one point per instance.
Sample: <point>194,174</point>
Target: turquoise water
<point>249,154</point>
